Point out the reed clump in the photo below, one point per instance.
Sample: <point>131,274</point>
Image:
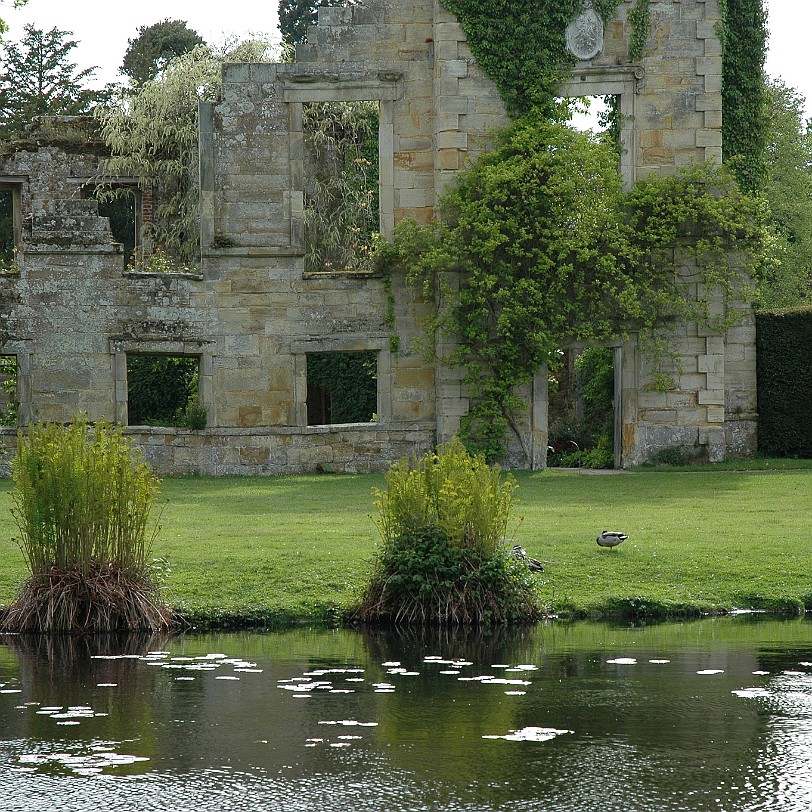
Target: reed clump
<point>82,502</point>
<point>444,557</point>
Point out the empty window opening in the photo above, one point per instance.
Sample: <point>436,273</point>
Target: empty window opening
<point>599,115</point>
<point>8,390</point>
<point>582,410</point>
<point>8,231</point>
<point>163,390</point>
<point>342,387</point>
<point>342,197</point>
<point>120,204</point>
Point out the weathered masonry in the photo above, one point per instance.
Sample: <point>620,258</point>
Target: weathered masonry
<point>72,315</point>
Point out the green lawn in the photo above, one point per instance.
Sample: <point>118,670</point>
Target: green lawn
<point>295,547</point>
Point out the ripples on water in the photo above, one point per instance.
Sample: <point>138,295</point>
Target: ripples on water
<point>713,715</point>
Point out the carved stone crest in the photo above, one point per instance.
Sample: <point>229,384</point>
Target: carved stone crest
<point>585,33</point>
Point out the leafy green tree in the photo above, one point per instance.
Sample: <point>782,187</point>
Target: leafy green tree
<point>39,79</point>
<point>152,135</point>
<point>296,15</point>
<point>151,51</point>
<point>788,189</point>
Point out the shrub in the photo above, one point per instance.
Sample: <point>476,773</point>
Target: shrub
<point>443,520</point>
<point>783,338</point>
<point>82,503</point>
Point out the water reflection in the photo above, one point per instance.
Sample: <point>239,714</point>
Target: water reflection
<point>707,715</point>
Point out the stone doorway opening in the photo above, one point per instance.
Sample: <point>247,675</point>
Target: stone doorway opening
<point>584,409</point>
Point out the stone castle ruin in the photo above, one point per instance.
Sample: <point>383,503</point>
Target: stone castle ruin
<point>253,314</point>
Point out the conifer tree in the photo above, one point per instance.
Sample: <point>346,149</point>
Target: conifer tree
<point>38,78</point>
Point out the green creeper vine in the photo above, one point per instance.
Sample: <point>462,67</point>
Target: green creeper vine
<point>743,33</point>
<point>389,316</point>
<point>640,20</point>
<point>551,249</point>
<point>548,246</point>
<point>520,45</point>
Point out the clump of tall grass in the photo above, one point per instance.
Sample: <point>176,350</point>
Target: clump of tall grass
<point>82,503</point>
<point>444,520</point>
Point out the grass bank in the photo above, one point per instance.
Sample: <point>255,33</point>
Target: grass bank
<point>256,550</point>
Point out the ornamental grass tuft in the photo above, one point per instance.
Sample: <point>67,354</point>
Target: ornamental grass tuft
<point>82,503</point>
<point>444,559</point>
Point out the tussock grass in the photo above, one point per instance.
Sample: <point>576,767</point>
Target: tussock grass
<point>443,520</point>
<point>103,599</point>
<point>82,500</point>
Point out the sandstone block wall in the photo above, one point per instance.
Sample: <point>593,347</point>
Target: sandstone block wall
<point>252,313</point>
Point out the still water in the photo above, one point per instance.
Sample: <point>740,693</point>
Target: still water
<point>707,715</point>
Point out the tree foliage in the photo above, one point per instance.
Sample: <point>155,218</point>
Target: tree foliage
<point>295,16</point>
<point>152,134</point>
<point>3,23</point>
<point>341,193</point>
<point>155,46</point>
<point>548,248</point>
<point>38,78</point>
<point>788,189</point>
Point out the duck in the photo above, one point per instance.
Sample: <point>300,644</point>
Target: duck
<point>533,565</point>
<point>611,538</point>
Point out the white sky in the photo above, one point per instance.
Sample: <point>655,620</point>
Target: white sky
<point>103,28</point>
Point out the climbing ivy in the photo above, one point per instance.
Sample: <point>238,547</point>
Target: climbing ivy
<point>520,45</point>
<point>550,248</point>
<point>640,19</point>
<point>743,33</point>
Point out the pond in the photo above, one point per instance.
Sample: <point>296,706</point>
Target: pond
<point>714,714</point>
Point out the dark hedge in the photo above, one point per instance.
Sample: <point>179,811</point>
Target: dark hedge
<point>784,353</point>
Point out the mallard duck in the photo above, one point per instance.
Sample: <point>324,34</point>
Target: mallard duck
<point>532,564</point>
<point>611,538</point>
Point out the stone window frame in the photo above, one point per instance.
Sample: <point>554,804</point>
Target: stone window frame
<point>141,197</point>
<point>120,349</point>
<point>384,87</point>
<point>624,82</point>
<point>22,350</point>
<point>347,343</point>
<point>14,184</point>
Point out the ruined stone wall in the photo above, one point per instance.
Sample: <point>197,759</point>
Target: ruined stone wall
<point>253,312</point>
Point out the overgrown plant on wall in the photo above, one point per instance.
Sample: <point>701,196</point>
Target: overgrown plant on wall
<point>743,33</point>
<point>520,45</point>
<point>551,249</point>
<point>546,244</point>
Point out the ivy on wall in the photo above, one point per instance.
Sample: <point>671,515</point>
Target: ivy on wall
<point>520,45</point>
<point>548,246</point>
<point>551,249</point>
<point>743,33</point>
<point>640,20</point>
